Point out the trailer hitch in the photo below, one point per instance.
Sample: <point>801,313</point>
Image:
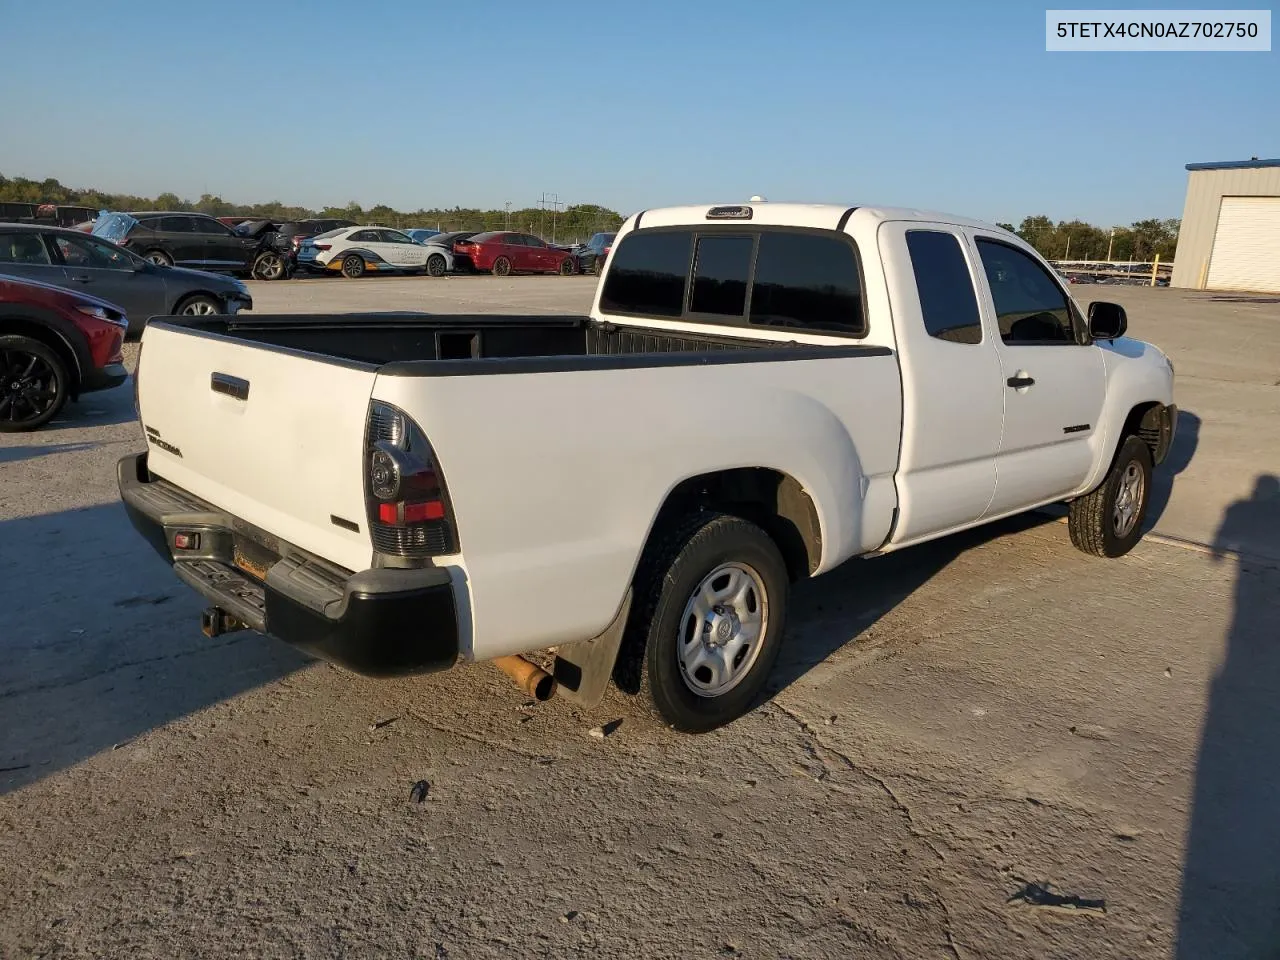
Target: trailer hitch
<point>215,621</point>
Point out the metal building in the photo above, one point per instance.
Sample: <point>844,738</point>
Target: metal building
<point>1230,235</point>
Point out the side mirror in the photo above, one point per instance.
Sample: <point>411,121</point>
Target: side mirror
<point>1107,321</point>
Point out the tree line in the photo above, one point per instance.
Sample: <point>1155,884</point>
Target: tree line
<point>1065,240</point>
<point>1077,240</point>
<point>573,223</point>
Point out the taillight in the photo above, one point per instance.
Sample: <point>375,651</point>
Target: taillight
<point>297,242</point>
<point>322,246</point>
<point>408,504</point>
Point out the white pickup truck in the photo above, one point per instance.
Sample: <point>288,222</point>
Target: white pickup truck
<point>760,393</point>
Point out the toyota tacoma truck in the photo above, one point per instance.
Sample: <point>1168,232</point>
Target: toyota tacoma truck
<point>760,393</point>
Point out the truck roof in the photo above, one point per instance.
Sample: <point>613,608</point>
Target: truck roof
<point>827,216</point>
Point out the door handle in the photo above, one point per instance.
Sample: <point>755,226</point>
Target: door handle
<point>1019,382</point>
<point>83,279</point>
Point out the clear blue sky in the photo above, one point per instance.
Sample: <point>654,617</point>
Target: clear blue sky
<point>952,106</point>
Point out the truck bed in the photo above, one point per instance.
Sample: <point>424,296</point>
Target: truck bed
<point>410,344</point>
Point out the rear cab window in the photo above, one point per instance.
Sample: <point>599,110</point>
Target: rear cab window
<point>807,281</point>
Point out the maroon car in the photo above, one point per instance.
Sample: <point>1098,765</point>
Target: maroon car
<point>55,344</point>
<point>507,253</point>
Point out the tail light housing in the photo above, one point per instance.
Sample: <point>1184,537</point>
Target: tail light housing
<point>322,246</point>
<point>407,502</point>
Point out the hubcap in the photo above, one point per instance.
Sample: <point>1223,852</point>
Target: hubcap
<point>28,386</point>
<point>722,629</point>
<point>1128,500</point>
<point>270,266</point>
<point>201,308</point>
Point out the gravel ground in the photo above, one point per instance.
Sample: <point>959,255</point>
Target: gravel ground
<point>990,746</point>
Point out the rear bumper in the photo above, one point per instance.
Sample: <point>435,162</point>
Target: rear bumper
<point>379,622</point>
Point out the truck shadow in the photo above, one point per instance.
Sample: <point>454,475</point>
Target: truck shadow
<point>1185,442</point>
<point>1229,904</point>
<point>832,611</point>
<point>100,643</point>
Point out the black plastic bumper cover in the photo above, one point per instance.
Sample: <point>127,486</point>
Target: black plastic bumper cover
<point>379,622</point>
<point>104,378</point>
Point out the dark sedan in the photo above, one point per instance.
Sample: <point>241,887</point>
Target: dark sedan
<point>592,254</point>
<point>81,262</point>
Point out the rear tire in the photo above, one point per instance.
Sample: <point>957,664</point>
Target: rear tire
<point>353,266</point>
<point>1108,521</point>
<point>502,267</point>
<point>33,384</point>
<point>707,621</point>
<point>436,266</point>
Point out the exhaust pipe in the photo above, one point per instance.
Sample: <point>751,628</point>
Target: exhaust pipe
<point>215,621</point>
<point>529,677</point>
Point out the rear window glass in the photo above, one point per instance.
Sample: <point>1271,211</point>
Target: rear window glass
<point>720,269</point>
<point>810,281</point>
<point>947,301</point>
<point>26,248</point>
<point>647,274</point>
<point>328,234</point>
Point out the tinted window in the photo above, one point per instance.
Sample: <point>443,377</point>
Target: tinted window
<point>647,274</point>
<point>328,234</point>
<point>364,236</point>
<point>173,224</point>
<point>210,225</point>
<point>22,248</point>
<point>487,238</point>
<point>533,241</point>
<point>720,270</point>
<point>807,280</point>
<point>393,236</point>
<point>1030,307</point>
<point>88,252</point>
<point>947,301</point>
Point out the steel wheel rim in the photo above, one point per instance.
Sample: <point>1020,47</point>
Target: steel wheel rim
<point>722,629</point>
<point>1124,515</point>
<point>28,383</point>
<point>200,308</point>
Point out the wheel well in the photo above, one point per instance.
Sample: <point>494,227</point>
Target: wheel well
<point>51,339</point>
<point>1143,422</point>
<point>772,500</point>
<point>191,295</point>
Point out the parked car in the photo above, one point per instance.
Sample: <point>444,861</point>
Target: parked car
<point>505,253</point>
<point>181,239</point>
<point>592,254</point>
<point>421,234</point>
<point>356,251</point>
<point>759,393</point>
<point>440,251</point>
<point>55,345</point>
<point>69,258</point>
<point>275,259</point>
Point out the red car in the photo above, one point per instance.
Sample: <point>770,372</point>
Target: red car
<point>507,253</point>
<point>55,344</point>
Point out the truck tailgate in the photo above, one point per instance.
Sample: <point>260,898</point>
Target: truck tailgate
<point>273,437</point>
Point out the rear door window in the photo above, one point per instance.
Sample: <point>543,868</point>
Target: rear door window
<point>721,267</point>
<point>948,303</point>
<point>23,247</point>
<point>648,273</point>
<point>808,281</point>
<point>172,224</point>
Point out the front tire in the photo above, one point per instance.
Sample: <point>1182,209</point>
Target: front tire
<point>567,267</point>
<point>1108,521</point>
<point>502,267</point>
<point>436,266</point>
<point>269,266</point>
<point>33,384</point>
<point>707,622</point>
<point>353,267</point>
<point>199,306</point>
<point>159,258</point>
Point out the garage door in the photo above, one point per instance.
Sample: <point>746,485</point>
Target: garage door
<point>1246,246</point>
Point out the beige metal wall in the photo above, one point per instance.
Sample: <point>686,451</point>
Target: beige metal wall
<point>1205,190</point>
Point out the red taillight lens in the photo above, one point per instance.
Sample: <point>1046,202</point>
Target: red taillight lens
<point>322,246</point>
<point>408,504</point>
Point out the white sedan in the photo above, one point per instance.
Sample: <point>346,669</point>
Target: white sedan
<point>354,251</point>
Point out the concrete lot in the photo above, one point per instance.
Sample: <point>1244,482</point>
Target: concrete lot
<point>955,729</point>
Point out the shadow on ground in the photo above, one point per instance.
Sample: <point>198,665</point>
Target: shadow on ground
<point>100,643</point>
<point>1230,905</point>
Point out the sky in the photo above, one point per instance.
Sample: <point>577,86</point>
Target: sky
<point>946,106</point>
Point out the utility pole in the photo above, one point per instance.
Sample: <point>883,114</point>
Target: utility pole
<point>1110,242</point>
<point>508,226</point>
<point>554,203</point>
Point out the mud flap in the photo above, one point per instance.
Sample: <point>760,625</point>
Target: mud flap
<point>583,670</point>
